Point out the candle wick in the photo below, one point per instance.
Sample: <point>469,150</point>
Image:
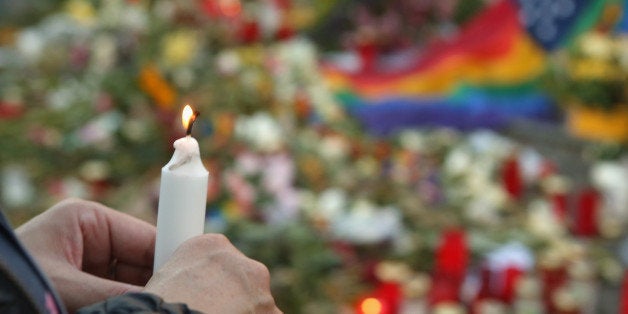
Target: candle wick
<point>188,132</point>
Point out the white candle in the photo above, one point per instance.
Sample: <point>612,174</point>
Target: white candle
<point>182,195</point>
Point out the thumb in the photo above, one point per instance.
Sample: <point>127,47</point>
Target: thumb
<point>81,289</point>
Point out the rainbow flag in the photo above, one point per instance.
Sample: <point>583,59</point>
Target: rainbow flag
<point>482,78</point>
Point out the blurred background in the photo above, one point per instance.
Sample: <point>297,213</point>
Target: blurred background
<point>404,156</point>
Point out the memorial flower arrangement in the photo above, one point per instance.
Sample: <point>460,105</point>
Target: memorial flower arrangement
<point>423,220</point>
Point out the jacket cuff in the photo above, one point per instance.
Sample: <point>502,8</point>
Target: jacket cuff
<point>135,303</point>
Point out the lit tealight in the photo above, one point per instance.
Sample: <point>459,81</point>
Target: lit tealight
<point>371,306</point>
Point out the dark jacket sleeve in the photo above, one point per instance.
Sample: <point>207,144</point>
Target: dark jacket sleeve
<point>136,303</point>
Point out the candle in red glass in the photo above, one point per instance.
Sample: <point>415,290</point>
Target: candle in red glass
<point>511,177</point>
<point>452,254</point>
<point>511,276</point>
<point>624,295</point>
<point>586,220</point>
<point>552,277</point>
<point>390,294</point>
<point>450,267</point>
<point>559,205</point>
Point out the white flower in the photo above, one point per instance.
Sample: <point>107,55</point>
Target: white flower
<point>299,53</point>
<point>135,17</point>
<point>17,188</point>
<point>269,17</point>
<point>73,187</point>
<point>513,254</point>
<point>260,130</point>
<point>332,203</point>
<point>457,162</point>
<point>412,140</point>
<point>228,62</point>
<point>30,44</point>
<point>610,178</point>
<point>484,207</point>
<point>333,148</point>
<point>531,163</point>
<point>367,224</point>
<point>103,53</point>
<point>542,222</point>
<point>490,143</point>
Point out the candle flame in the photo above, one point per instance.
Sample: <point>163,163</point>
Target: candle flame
<point>188,116</point>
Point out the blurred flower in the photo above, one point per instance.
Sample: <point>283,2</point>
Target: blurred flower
<point>94,170</point>
<point>278,173</point>
<point>243,192</point>
<point>485,207</point>
<point>82,11</point>
<point>261,131</point>
<point>333,148</point>
<point>596,46</point>
<point>248,163</point>
<point>621,51</point>
<point>367,224</point>
<point>99,130</point>
<point>153,84</point>
<point>179,47</point>
<point>68,187</point>
<point>610,178</point>
<point>457,162</point>
<point>103,53</point>
<point>48,137</point>
<point>269,17</point>
<point>331,203</point>
<point>542,222</point>
<point>17,188</point>
<point>513,254</point>
<point>30,44</point>
<point>228,62</point>
<point>135,129</point>
<point>412,140</point>
<point>590,69</point>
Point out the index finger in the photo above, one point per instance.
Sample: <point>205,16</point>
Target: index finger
<point>131,240</point>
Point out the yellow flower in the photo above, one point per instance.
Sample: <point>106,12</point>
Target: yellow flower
<point>81,10</point>
<point>593,69</point>
<point>597,46</point>
<point>179,48</point>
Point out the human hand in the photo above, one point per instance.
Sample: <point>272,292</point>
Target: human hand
<point>89,251</point>
<point>209,274</point>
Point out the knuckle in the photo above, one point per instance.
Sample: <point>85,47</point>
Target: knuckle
<point>219,238</point>
<point>260,270</point>
<point>74,204</point>
<point>209,240</point>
